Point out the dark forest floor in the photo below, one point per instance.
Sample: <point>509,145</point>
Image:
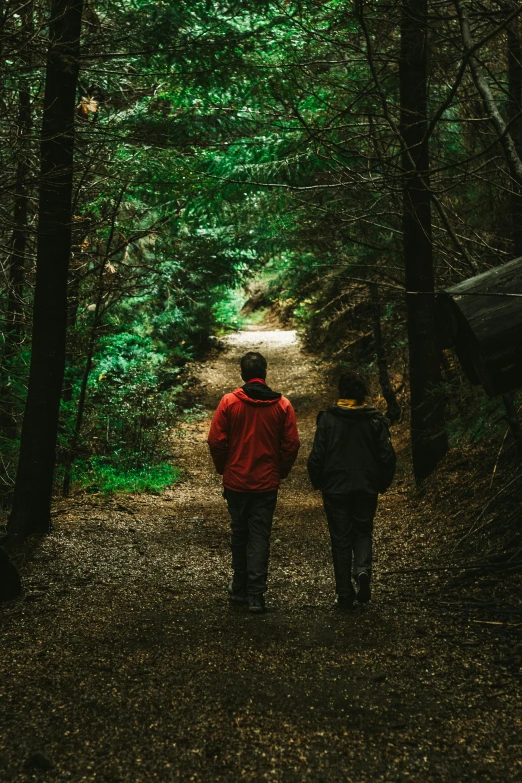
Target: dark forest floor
<point>124,661</point>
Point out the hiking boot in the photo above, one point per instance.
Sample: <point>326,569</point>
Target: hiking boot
<point>344,603</point>
<point>256,603</point>
<point>364,592</point>
<point>237,597</point>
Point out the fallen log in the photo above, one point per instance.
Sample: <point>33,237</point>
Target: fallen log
<point>481,318</point>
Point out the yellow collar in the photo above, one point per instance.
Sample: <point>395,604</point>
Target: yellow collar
<point>350,404</point>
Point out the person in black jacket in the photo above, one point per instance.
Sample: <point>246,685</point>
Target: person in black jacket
<point>351,462</point>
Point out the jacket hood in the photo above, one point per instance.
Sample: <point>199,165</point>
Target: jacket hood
<point>353,413</point>
<point>258,390</point>
<point>273,397</point>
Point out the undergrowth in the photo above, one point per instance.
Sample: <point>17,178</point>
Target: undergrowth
<point>99,475</point>
<point>226,311</point>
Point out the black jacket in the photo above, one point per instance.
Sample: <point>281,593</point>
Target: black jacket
<point>352,452</point>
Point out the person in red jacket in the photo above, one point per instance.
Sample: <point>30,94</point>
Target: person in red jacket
<point>253,441</point>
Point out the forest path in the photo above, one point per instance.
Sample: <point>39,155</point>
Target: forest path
<point>126,662</point>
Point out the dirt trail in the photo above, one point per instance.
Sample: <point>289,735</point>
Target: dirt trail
<point>125,662</point>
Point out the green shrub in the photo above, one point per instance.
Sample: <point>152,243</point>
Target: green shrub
<point>226,310</point>
<point>97,474</point>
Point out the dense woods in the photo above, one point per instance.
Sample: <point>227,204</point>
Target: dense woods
<point>353,158</point>
<point>337,185</point>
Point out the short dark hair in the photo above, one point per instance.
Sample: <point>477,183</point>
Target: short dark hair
<point>352,386</point>
<point>253,365</point>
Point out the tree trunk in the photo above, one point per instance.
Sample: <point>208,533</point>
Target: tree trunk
<point>34,479</point>
<point>10,585</point>
<point>515,123</point>
<point>393,411</point>
<point>429,441</point>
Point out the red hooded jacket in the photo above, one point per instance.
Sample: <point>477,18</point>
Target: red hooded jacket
<point>253,442</point>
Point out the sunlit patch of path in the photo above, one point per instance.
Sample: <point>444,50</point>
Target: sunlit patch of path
<point>274,338</point>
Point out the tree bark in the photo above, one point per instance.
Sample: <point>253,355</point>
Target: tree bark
<point>429,441</point>
<point>34,479</point>
<point>10,585</point>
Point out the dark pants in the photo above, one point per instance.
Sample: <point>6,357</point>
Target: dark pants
<point>251,524</point>
<point>350,522</point>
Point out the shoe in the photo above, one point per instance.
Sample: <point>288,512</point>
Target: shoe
<point>363,593</point>
<point>344,603</point>
<point>256,603</point>
<point>237,598</point>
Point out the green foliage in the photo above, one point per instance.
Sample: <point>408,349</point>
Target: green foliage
<point>226,310</point>
<point>222,141</point>
<point>133,413</point>
<point>99,475</point>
